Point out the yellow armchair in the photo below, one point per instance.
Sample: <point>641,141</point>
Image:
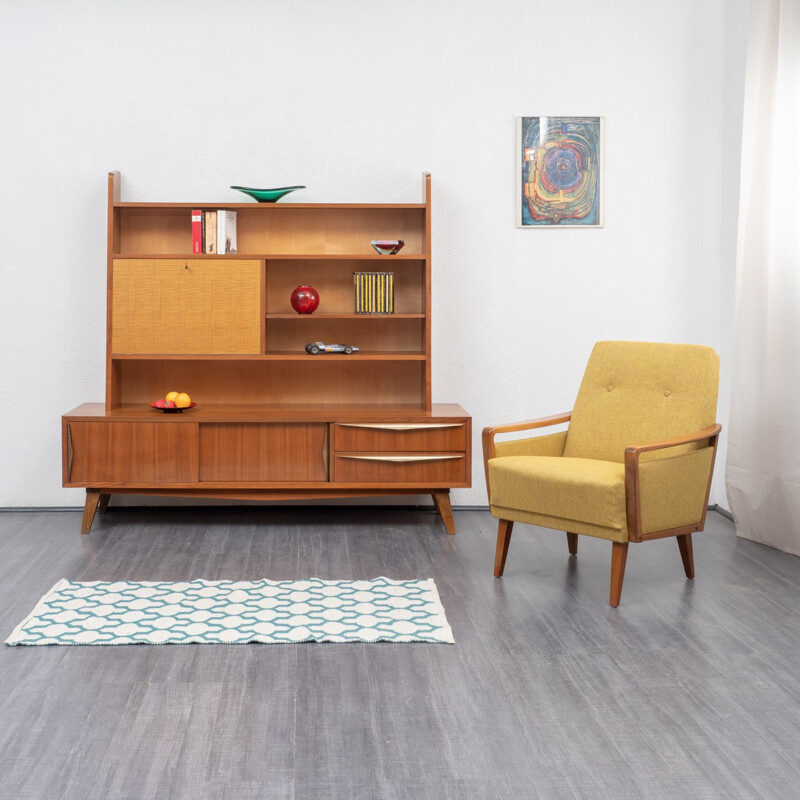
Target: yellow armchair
<point>634,464</point>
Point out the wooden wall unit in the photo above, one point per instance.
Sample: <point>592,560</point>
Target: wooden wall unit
<point>272,421</point>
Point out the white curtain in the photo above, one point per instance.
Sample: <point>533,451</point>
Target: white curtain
<point>763,469</point>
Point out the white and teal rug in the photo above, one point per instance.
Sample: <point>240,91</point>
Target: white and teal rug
<point>236,612</point>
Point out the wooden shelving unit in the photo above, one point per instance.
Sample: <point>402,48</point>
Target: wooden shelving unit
<point>221,327</point>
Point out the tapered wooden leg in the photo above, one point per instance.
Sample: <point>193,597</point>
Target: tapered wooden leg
<point>572,543</point>
<point>619,554</point>
<point>687,553</point>
<point>441,501</point>
<point>102,506</point>
<point>503,538</point>
<point>89,509</point>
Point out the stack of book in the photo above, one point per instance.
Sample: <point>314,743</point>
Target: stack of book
<point>213,232</point>
<point>374,292</point>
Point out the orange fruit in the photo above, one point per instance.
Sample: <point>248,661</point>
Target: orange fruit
<point>182,400</point>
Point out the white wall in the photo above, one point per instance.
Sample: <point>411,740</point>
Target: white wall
<point>355,99</point>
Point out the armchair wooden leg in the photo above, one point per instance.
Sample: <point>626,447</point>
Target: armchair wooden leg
<point>572,543</point>
<point>503,538</point>
<point>619,554</point>
<point>687,553</point>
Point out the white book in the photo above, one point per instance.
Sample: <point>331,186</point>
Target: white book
<point>226,232</point>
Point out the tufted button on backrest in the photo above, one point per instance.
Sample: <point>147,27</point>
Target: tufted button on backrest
<point>623,399</point>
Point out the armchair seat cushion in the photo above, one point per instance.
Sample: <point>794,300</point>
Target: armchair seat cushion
<point>587,492</point>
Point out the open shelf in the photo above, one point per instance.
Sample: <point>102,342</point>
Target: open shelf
<point>287,355</point>
<point>278,230</point>
<point>317,316</point>
<point>267,208</point>
<point>377,259</point>
<point>229,319</point>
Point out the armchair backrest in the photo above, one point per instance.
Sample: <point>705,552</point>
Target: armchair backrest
<point>633,393</point>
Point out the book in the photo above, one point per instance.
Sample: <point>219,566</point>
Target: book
<point>211,232</point>
<point>197,231</point>
<point>226,232</point>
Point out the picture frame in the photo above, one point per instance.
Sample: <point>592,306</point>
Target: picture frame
<point>560,165</point>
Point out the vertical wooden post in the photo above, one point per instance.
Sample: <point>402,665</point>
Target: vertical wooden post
<point>619,554</point>
<point>89,509</point>
<point>441,501</point>
<point>504,529</point>
<point>687,554</point>
<point>572,543</point>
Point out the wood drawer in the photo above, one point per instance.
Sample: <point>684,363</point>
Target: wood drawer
<point>245,451</point>
<point>439,469</point>
<point>131,452</point>
<point>400,438</point>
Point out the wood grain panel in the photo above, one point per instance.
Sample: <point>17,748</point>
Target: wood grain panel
<point>186,306</point>
<point>445,469</point>
<point>156,229</point>
<point>264,412</point>
<point>328,231</point>
<point>134,452</point>
<point>293,452</point>
<point>323,379</point>
<point>411,437</point>
<point>377,334</point>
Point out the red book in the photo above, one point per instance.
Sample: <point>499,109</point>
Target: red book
<point>197,231</point>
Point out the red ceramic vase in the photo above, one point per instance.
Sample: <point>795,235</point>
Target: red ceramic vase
<point>305,299</point>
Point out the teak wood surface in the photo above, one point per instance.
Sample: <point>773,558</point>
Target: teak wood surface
<point>321,244</point>
<point>255,454</point>
<point>271,421</point>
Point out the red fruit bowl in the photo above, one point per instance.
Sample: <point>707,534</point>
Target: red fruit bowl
<point>172,410</point>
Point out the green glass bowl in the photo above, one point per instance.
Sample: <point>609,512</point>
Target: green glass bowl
<point>267,195</point>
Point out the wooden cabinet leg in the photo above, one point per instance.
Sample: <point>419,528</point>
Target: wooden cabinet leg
<point>572,543</point>
<point>441,501</point>
<point>619,555</point>
<point>102,506</point>
<point>687,554</point>
<point>92,501</point>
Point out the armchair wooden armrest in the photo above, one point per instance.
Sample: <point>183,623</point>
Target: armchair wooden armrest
<point>491,431</point>
<point>633,498</point>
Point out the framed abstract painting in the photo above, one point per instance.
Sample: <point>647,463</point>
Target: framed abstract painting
<point>560,172</point>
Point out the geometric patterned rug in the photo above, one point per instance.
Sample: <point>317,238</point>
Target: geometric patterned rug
<point>235,612</point>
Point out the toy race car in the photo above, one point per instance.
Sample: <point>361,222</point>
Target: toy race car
<point>319,347</point>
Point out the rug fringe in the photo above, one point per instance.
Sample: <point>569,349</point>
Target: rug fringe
<point>16,632</point>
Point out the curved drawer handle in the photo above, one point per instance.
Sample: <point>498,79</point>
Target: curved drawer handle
<point>399,459</point>
<point>420,426</point>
